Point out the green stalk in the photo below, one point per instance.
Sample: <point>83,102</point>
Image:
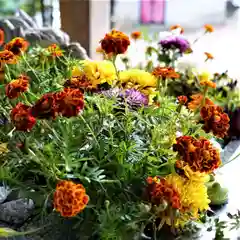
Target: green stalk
<point>89,128</point>
<point>27,63</point>
<point>114,64</point>
<point>8,72</point>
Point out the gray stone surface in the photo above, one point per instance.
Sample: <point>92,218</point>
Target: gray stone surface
<point>16,212</point>
<point>229,150</point>
<point>24,26</point>
<point>4,192</point>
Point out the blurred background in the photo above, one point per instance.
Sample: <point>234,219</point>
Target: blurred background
<point>86,21</point>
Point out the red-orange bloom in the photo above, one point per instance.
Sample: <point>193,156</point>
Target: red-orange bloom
<point>7,57</point>
<point>208,83</point>
<point>70,198</point>
<point>197,102</point>
<point>115,42</point>
<point>99,49</point>
<point>17,46</point>
<point>215,120</point>
<point>80,82</point>
<point>17,86</point>
<point>165,72</point>
<point>199,154</point>
<point>177,26</point>
<point>209,28</point>
<point>159,190</point>
<point>69,102</point>
<point>1,37</point>
<point>55,50</point>
<point>45,107</point>
<point>22,118</point>
<point>209,55</point>
<point>136,35</point>
<point>182,99</point>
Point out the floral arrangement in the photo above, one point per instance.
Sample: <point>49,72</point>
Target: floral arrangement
<point>110,152</point>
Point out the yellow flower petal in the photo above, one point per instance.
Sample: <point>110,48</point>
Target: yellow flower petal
<point>137,76</point>
<point>140,80</point>
<point>97,72</point>
<point>193,197</point>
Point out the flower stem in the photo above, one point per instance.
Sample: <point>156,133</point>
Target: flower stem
<point>89,128</point>
<point>230,160</point>
<point>204,96</point>
<point>114,64</point>
<point>8,72</point>
<point>33,71</point>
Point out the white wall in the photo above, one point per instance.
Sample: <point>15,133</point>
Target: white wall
<point>99,24</point>
<point>184,12</point>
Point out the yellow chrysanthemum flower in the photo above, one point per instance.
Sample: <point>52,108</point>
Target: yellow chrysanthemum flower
<point>140,80</point>
<point>97,72</point>
<point>194,176</point>
<point>138,77</point>
<point>193,197</point>
<point>204,76</point>
<point>205,79</point>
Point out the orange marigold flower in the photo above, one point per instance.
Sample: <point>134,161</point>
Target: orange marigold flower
<point>215,120</point>
<point>209,55</point>
<point>208,83</point>
<point>17,86</point>
<point>197,101</point>
<point>45,107</point>
<point>80,82</point>
<point>70,198</point>
<point>165,72</point>
<point>106,56</point>
<point>136,35</point>
<point>69,102</point>
<point>7,57</point>
<point>177,26</point>
<point>55,50</point>
<point>21,117</point>
<point>182,99</point>
<point>1,37</point>
<point>199,154</point>
<point>159,190</point>
<point>17,46</point>
<point>209,28</point>
<point>115,42</point>
<point>99,49</point>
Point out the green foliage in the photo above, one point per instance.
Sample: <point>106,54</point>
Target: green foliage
<point>110,150</point>
<point>8,7</point>
<point>31,7</point>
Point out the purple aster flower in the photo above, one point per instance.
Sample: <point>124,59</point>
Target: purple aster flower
<point>111,93</point>
<point>175,42</point>
<point>134,98</point>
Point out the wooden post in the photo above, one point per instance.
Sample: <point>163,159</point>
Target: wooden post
<point>86,21</point>
<point>75,20</point>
